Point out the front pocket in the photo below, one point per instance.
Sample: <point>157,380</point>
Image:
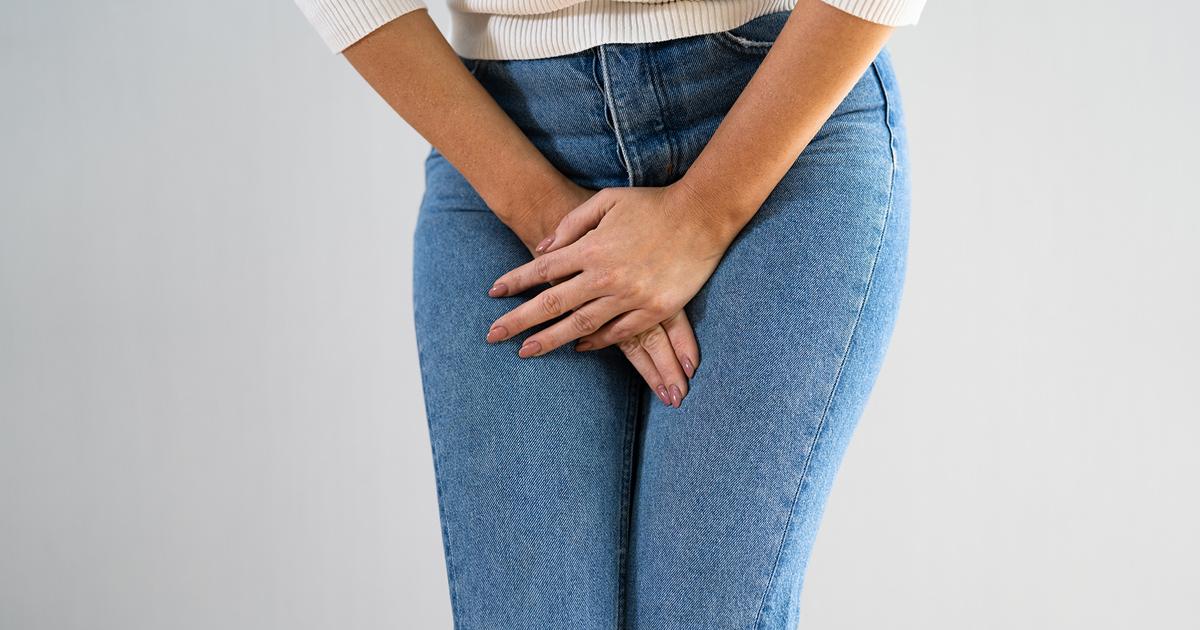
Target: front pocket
<point>757,35</point>
<point>472,65</point>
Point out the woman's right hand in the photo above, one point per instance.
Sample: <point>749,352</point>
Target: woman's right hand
<point>663,354</point>
<point>411,65</point>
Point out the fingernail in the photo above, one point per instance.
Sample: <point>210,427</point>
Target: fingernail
<point>498,289</point>
<point>662,395</point>
<point>583,345</point>
<point>496,334</point>
<point>676,396</point>
<point>544,244</point>
<point>529,348</point>
<point>688,367</point>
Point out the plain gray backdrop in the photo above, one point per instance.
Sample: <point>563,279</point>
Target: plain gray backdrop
<point>210,410</point>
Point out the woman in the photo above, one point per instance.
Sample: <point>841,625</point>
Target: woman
<point>709,197</point>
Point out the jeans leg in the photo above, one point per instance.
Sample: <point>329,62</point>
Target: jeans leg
<point>792,327</point>
<point>531,456</point>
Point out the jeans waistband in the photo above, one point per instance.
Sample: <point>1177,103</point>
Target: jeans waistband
<point>654,104</point>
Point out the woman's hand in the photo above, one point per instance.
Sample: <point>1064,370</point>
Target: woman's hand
<point>626,259</point>
<point>412,66</point>
<point>665,354</point>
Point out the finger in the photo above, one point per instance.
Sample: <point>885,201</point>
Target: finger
<point>683,340</point>
<point>642,362</point>
<point>543,307</point>
<point>620,328</point>
<point>540,270</point>
<point>658,345</point>
<point>584,321</point>
<point>577,222</point>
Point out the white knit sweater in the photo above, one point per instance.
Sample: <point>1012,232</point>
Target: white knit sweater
<point>528,29</point>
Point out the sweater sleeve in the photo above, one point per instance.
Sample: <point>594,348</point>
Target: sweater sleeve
<point>343,22</point>
<point>887,12</point>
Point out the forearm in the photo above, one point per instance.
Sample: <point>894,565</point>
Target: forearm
<point>411,65</point>
<point>819,55</point>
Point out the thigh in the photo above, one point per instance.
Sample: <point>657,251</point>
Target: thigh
<point>792,328</point>
<point>531,456</point>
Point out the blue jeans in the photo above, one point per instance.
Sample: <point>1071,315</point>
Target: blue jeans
<point>570,498</point>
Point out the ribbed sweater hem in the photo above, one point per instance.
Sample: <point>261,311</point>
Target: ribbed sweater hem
<point>546,28</point>
<point>594,22</point>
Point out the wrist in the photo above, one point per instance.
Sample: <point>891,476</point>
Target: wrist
<point>718,214</point>
<point>511,198</point>
<point>536,210</point>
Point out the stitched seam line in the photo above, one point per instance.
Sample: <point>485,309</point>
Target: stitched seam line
<point>455,606</point>
<point>612,108</point>
<point>849,344</point>
<point>632,412</point>
<point>741,44</point>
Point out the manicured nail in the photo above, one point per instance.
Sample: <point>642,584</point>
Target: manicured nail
<point>498,289</point>
<point>688,367</point>
<point>529,348</point>
<point>496,334</point>
<point>662,395</point>
<point>583,345</point>
<point>676,396</point>
<point>544,244</point>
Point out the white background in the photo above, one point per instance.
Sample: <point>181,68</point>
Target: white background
<point>210,411</point>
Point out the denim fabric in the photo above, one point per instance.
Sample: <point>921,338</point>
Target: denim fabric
<point>570,497</point>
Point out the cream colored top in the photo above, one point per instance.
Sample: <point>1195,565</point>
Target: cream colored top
<point>528,29</point>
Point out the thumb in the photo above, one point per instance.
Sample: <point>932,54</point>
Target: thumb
<point>578,222</point>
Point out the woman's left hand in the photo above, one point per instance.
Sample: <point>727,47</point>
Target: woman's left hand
<point>624,260</point>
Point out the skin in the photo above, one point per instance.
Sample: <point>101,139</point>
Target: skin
<point>622,262</point>
<point>409,63</point>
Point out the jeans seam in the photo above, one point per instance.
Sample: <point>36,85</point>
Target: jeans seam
<point>455,608</point>
<point>624,527</point>
<point>611,103</point>
<point>742,45</point>
<point>837,377</point>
